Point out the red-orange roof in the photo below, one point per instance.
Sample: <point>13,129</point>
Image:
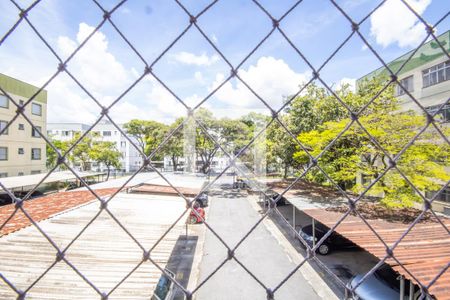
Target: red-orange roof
<point>424,252</point>
<point>45,207</point>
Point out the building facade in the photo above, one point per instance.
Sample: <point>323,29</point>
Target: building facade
<point>22,149</point>
<point>105,131</point>
<point>426,76</point>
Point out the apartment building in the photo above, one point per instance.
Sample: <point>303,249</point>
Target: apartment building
<point>427,78</point>
<point>106,131</point>
<point>22,150</point>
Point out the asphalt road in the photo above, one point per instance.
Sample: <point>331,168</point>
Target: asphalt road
<point>231,216</point>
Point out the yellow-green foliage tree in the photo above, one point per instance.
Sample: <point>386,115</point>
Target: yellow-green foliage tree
<point>354,155</point>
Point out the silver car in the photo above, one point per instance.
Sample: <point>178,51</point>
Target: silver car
<point>382,284</point>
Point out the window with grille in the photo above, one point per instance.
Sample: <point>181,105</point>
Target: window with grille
<point>4,101</point>
<point>35,153</point>
<point>36,109</point>
<point>3,153</point>
<point>3,125</point>
<point>436,74</point>
<point>406,84</point>
<point>35,131</point>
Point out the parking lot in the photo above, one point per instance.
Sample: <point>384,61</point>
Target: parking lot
<point>343,263</point>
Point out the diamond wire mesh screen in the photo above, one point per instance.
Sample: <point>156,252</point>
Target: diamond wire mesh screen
<point>315,158</point>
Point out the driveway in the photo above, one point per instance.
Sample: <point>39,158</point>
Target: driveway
<point>231,216</point>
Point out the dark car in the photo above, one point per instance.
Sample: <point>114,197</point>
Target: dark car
<point>274,196</point>
<point>164,288</point>
<point>334,241</point>
<point>202,199</point>
<point>6,199</point>
<point>382,284</point>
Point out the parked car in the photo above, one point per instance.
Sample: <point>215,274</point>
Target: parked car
<point>164,288</point>
<point>334,241</point>
<point>239,184</point>
<point>202,199</point>
<point>6,199</point>
<point>382,284</point>
<point>274,196</point>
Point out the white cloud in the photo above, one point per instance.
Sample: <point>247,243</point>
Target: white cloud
<point>214,38</point>
<point>272,79</point>
<point>106,78</point>
<point>199,77</point>
<point>351,82</point>
<point>95,67</point>
<point>394,23</point>
<point>192,59</point>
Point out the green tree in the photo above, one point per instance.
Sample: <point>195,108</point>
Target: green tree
<point>175,145</point>
<point>354,154</point>
<point>52,156</point>
<point>230,134</point>
<point>148,133</point>
<point>106,153</point>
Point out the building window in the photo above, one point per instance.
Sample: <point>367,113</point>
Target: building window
<point>4,101</point>
<point>407,83</point>
<point>442,115</point>
<point>64,132</point>
<point>35,153</point>
<point>3,175</point>
<point>3,126</point>
<point>36,109</point>
<point>20,174</point>
<point>436,74</point>
<point>106,133</point>
<point>33,172</point>
<point>123,144</point>
<point>3,153</point>
<point>21,151</point>
<point>21,102</point>
<point>35,131</point>
<point>21,127</point>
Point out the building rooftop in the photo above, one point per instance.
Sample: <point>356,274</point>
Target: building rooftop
<point>21,88</point>
<point>424,252</point>
<point>429,51</point>
<point>104,253</point>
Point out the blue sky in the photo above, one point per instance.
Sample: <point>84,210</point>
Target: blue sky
<point>192,68</point>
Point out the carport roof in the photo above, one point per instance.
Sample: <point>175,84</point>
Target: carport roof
<point>424,252</point>
<point>33,180</point>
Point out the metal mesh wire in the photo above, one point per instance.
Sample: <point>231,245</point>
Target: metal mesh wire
<point>193,25</point>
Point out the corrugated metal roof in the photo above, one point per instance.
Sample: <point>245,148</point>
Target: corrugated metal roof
<point>104,253</point>
<point>424,252</point>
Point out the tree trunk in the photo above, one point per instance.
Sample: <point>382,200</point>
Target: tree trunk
<point>107,174</point>
<point>174,163</point>
<point>286,166</point>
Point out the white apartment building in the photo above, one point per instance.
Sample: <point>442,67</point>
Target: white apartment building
<point>22,149</point>
<point>427,78</point>
<point>130,160</point>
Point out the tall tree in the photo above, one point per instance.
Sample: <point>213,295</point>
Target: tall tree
<point>175,145</point>
<point>148,133</point>
<point>106,153</point>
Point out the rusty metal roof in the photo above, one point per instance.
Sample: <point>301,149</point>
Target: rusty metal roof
<point>424,252</point>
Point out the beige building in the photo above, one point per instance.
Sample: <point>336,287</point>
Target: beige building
<point>22,150</point>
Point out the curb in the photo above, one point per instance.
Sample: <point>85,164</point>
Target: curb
<point>311,276</point>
